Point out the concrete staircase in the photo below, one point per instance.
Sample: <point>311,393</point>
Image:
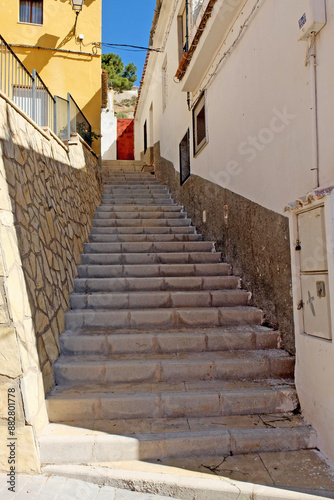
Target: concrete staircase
<point>163,355</point>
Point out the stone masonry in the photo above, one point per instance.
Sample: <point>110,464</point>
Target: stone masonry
<point>48,195</point>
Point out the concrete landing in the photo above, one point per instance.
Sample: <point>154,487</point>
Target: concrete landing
<point>44,487</point>
<point>301,475</point>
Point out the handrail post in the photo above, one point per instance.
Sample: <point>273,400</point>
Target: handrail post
<point>34,95</point>
<point>55,126</point>
<point>68,116</point>
<point>55,115</point>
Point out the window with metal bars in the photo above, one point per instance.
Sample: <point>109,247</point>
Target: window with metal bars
<point>145,136</point>
<point>185,158</point>
<point>31,11</point>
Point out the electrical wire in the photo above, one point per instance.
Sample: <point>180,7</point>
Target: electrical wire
<point>125,47</point>
<point>130,46</point>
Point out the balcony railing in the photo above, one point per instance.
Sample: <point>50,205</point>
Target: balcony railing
<point>29,92</point>
<point>15,80</point>
<point>43,104</point>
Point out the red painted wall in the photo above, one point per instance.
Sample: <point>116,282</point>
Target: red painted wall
<point>125,139</point>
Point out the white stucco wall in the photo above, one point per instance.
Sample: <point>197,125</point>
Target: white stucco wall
<point>252,151</point>
<point>109,131</point>
<point>261,138</point>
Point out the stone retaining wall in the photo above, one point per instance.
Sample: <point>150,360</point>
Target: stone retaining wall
<point>48,196</point>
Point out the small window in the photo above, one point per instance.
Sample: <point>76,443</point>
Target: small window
<point>185,158</point>
<point>182,23</point>
<point>31,11</point>
<point>200,125</point>
<point>145,136</point>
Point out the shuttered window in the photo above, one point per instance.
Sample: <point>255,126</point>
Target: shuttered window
<point>31,11</point>
<point>200,125</point>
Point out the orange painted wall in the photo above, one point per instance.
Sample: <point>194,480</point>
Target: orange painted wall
<point>125,139</point>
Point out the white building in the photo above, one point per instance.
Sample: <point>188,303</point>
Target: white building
<point>109,130</point>
<point>238,106</point>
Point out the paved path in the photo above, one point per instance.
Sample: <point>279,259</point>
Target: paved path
<point>60,488</point>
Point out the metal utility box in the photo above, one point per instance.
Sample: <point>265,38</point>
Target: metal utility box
<point>312,239</point>
<point>316,310</point>
<point>312,19</point>
<point>315,300</point>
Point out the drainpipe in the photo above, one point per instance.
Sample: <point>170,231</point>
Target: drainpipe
<point>315,122</point>
<point>187,43</point>
<point>187,25</point>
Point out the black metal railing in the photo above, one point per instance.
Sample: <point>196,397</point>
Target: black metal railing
<point>61,118</point>
<point>78,122</point>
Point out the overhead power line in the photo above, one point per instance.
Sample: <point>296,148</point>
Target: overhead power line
<point>138,47</point>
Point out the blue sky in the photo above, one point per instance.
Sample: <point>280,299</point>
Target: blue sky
<point>127,22</point>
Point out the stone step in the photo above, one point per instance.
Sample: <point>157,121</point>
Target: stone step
<point>155,284</point>
<point>140,197</point>
<point>143,173</point>
<point>143,197</point>
<point>132,181</point>
<point>133,178</point>
<point>156,270</point>
<point>60,444</point>
<point>117,200</point>
<point>163,318</point>
<point>155,230</point>
<point>108,342</point>
<point>149,300</point>
<point>150,258</point>
<point>130,175</point>
<point>150,247</point>
<point>124,170</point>
<point>138,401</point>
<point>138,208</point>
<point>142,194</point>
<point>115,165</point>
<point>140,190</point>
<point>132,238</point>
<point>170,367</point>
<point>113,214</point>
<point>141,176</point>
<point>137,189</point>
<point>126,174</point>
<point>141,222</point>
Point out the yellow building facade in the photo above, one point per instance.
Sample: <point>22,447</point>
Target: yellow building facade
<point>62,47</point>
